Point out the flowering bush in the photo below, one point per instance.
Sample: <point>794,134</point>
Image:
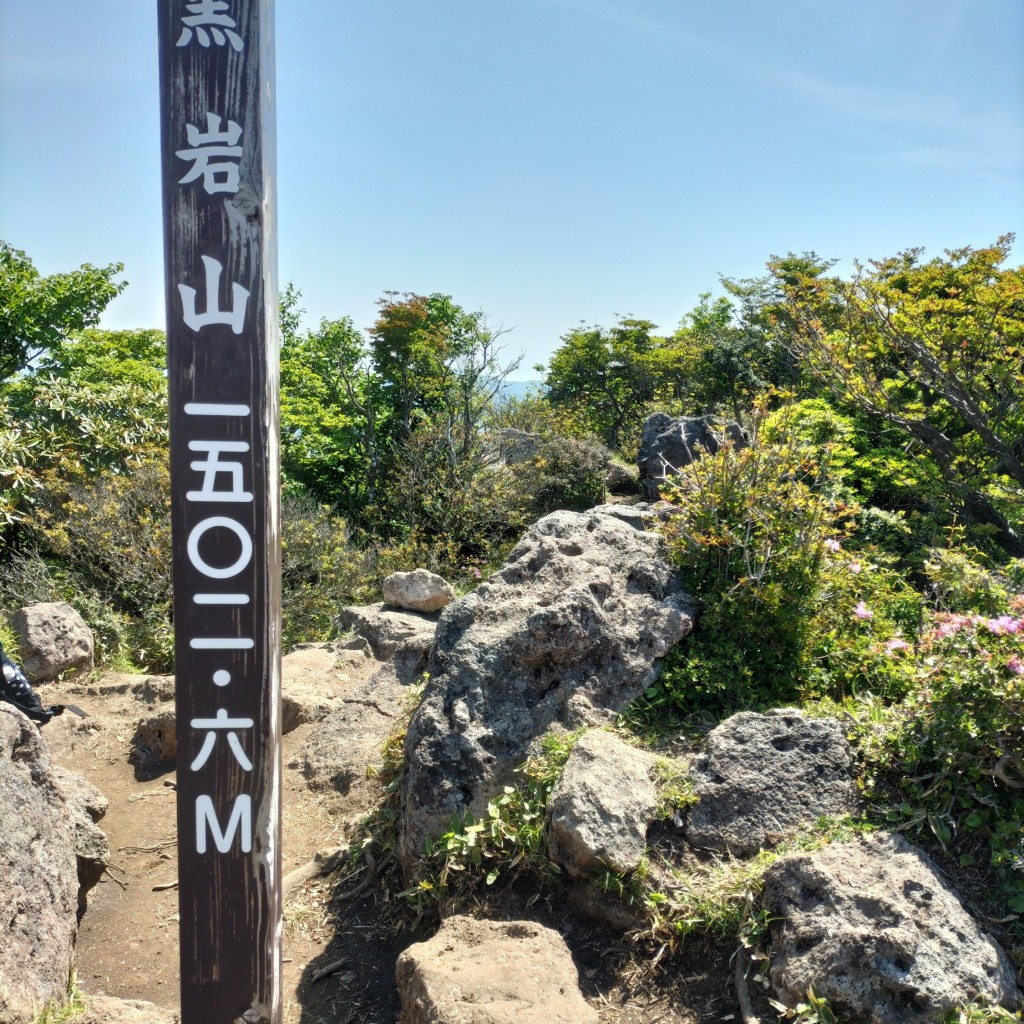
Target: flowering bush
<point>953,751</point>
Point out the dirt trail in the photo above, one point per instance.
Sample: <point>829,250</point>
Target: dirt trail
<point>128,941</point>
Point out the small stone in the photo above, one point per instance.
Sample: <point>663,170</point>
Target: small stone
<point>158,735</point>
<point>418,591</point>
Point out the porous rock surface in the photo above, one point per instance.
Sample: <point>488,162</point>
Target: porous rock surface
<point>38,894</point>
<point>314,680</point>
<point>406,637</point>
<point>86,806</point>
<point>763,776</point>
<point>53,638</point>
<point>601,807</point>
<point>420,591</point>
<point>491,972</point>
<point>110,1010</point>
<point>668,443</point>
<point>578,617</point>
<point>873,927</point>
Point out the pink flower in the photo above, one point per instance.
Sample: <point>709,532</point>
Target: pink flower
<point>855,568</point>
<point>1004,624</point>
<point>476,572</point>
<point>1016,666</point>
<point>896,644</point>
<point>862,611</point>
<point>833,545</point>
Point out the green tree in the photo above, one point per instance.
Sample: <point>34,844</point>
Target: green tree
<point>613,374</point>
<point>935,348</point>
<point>329,414</point>
<point>722,360</point>
<point>37,313</point>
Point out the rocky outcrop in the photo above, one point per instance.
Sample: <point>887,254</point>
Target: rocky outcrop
<point>669,443</point>
<point>53,639</point>
<point>407,637</point>
<point>873,927</point>
<point>577,618</point>
<point>621,479</point>
<point>314,680</point>
<point>338,750</point>
<point>601,807</point>
<point>763,776</point>
<point>110,1010</point>
<point>417,591</point>
<point>38,894</point>
<point>491,972</point>
<point>86,806</point>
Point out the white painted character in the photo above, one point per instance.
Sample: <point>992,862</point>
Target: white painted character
<point>214,155</point>
<point>209,13</point>
<point>211,467</point>
<point>222,721</point>
<point>235,319</point>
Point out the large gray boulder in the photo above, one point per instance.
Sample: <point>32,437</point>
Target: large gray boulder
<point>763,776</point>
<point>668,443</point>
<point>577,619</point>
<point>872,926</point>
<point>601,807</point>
<point>418,591</point>
<point>491,972</point>
<point>53,639</point>
<point>39,889</point>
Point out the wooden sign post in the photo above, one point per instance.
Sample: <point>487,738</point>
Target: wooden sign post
<point>217,132</point>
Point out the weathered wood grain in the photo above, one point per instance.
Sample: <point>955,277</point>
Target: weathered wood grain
<point>227,602</point>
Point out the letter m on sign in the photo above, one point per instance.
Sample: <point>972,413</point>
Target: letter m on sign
<point>206,817</point>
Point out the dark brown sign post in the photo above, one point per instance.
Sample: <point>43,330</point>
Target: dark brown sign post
<point>216,77</point>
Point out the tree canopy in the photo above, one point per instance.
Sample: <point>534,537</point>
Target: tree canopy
<point>38,313</point>
<point>935,348</point>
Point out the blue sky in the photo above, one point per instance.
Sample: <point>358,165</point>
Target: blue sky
<point>546,161</point>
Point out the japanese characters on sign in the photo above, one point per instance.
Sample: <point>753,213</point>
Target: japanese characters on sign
<point>221,309</point>
<point>214,155</point>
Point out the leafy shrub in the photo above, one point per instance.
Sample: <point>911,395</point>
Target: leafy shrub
<point>320,570</point>
<point>27,577</point>
<point>863,630</point>
<point>565,474</point>
<point>961,582</point>
<point>749,530</point>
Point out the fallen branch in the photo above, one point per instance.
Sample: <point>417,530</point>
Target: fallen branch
<point>323,972</point>
<point>321,864</point>
<point>371,876</point>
